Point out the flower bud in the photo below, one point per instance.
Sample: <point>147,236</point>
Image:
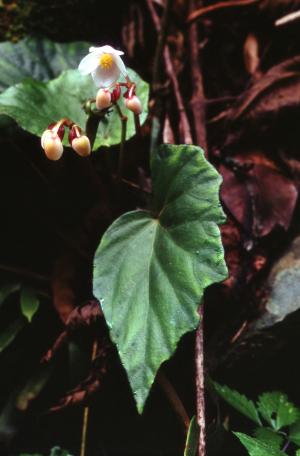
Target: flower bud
<point>134,104</point>
<point>82,146</point>
<point>52,145</point>
<point>103,99</point>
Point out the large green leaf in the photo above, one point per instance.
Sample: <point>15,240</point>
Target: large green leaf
<point>151,268</point>
<point>37,58</point>
<point>238,401</point>
<point>256,447</point>
<point>34,105</point>
<point>277,410</point>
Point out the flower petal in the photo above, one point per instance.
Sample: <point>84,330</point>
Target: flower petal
<point>120,64</point>
<point>105,49</point>
<point>105,78</point>
<point>89,63</point>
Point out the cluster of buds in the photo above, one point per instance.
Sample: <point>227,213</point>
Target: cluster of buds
<point>105,65</point>
<point>52,138</point>
<point>105,98</point>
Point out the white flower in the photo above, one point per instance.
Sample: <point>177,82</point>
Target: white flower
<point>105,65</point>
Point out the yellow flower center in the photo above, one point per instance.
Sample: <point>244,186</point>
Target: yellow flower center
<point>106,61</point>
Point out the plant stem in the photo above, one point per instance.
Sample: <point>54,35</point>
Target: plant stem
<point>162,27</point>
<point>122,143</point>
<point>217,6</point>
<point>200,389</point>
<point>137,124</point>
<point>86,411</point>
<point>198,98</point>
<point>174,399</point>
<point>184,126</point>
<point>91,127</point>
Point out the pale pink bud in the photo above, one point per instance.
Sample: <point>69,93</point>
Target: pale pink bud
<point>52,145</point>
<point>82,145</point>
<point>103,99</point>
<point>134,104</point>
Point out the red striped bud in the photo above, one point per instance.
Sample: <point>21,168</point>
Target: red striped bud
<point>134,104</point>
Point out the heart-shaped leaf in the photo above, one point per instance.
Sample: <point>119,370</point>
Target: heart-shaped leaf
<point>151,268</point>
<point>37,58</point>
<point>34,105</point>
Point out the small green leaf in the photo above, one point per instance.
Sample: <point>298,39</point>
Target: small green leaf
<point>294,433</point>
<point>269,436</point>
<point>31,454</point>
<point>29,303</point>
<point>298,453</point>
<point>10,332</point>
<point>192,439</point>
<point>34,105</point>
<point>277,410</point>
<point>151,268</point>
<point>57,451</point>
<point>238,401</point>
<point>256,447</point>
<point>37,58</point>
<point>33,387</point>
<point>8,289</point>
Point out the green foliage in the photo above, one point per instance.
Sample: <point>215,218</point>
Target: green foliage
<point>192,439</point>
<point>33,387</point>
<point>37,58</point>
<point>151,268</point>
<point>269,436</point>
<point>34,105</point>
<point>55,451</point>
<point>294,434</point>
<point>29,303</point>
<point>238,401</point>
<point>257,447</point>
<point>277,410</point>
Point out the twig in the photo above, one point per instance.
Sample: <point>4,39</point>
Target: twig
<point>162,28</point>
<point>200,390</point>
<point>198,98</point>
<point>23,272</point>
<point>174,399</point>
<point>198,109</point>
<point>294,16</point>
<point>185,129</point>
<point>217,6</point>
<point>122,143</point>
<point>86,410</point>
